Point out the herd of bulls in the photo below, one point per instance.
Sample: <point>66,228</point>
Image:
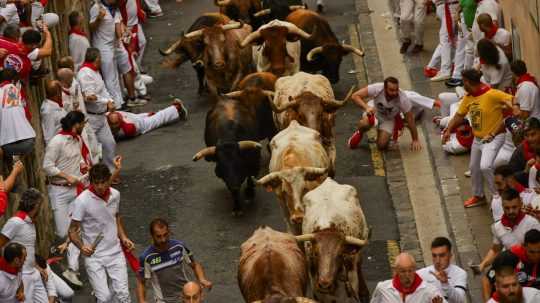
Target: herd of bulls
<point>255,60</point>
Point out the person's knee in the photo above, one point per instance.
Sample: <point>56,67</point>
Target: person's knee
<point>487,168</point>
<point>103,294</point>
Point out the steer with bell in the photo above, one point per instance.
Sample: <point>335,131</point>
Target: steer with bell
<point>334,232</point>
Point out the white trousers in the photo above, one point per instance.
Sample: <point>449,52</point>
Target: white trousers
<point>104,136</point>
<point>452,146</point>
<point>413,13</point>
<point>153,6</point>
<point>464,56</point>
<point>92,143</point>
<point>109,71</point>
<point>142,44</point>
<point>443,53</point>
<point>482,164</point>
<point>56,287</point>
<point>447,99</point>
<point>100,270</point>
<point>34,289</point>
<point>162,117</point>
<point>506,151</point>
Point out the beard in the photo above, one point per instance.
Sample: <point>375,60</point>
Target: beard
<point>516,297</point>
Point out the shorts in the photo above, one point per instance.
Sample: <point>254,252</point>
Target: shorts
<point>383,124</point>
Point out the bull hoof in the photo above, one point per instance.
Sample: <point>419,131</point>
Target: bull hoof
<point>237,213</point>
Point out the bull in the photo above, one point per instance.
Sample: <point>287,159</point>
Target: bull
<point>256,90</point>
<point>334,232</point>
<point>277,47</point>
<point>272,268</point>
<point>309,99</point>
<point>230,134</point>
<point>240,10</point>
<point>322,52</point>
<point>299,163</point>
<point>225,63</point>
<point>192,48</point>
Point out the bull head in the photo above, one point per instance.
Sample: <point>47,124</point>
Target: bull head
<point>225,27</point>
<point>211,150</point>
<point>291,30</point>
<point>295,180</point>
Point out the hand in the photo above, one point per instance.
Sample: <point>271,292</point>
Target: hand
<point>128,244</point>
<point>441,276</point>
<point>3,52</point>
<point>415,145</point>
<point>101,13</point>
<point>437,299</point>
<point>72,180</point>
<point>110,107</point>
<point>87,250</point>
<point>20,296</point>
<point>206,284</point>
<point>62,247</point>
<point>18,167</point>
<point>44,27</point>
<point>118,162</point>
<point>531,163</point>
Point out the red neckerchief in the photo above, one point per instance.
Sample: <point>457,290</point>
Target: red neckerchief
<point>492,31</point>
<point>495,296</point>
<point>484,88</point>
<point>57,101</point>
<point>527,77</point>
<point>77,31</point>
<point>449,23</point>
<point>406,291</point>
<point>528,153</point>
<point>520,252</point>
<point>519,188</point>
<point>90,65</point>
<point>506,222</point>
<point>23,215</point>
<point>105,197</point>
<point>85,152</point>
<point>4,266</point>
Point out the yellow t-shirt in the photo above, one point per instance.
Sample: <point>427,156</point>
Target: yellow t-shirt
<point>485,111</point>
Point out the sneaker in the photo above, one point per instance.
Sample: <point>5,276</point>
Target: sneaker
<point>182,110</point>
<point>155,15</point>
<point>417,48</point>
<point>405,46</point>
<point>355,139</point>
<point>474,201</point>
<point>136,102</point>
<point>467,174</point>
<point>430,72</point>
<point>72,277</point>
<point>453,82</point>
<point>440,77</point>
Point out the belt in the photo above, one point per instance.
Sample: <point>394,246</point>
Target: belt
<point>58,184</point>
<point>449,3</point>
<point>97,114</point>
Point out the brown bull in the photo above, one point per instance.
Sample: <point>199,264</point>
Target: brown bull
<point>192,49</point>
<point>322,51</point>
<point>225,63</point>
<point>240,10</point>
<point>272,268</point>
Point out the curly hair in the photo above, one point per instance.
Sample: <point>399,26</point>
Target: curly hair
<point>30,199</point>
<point>488,52</point>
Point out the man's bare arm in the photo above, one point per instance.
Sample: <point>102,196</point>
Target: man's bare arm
<point>74,233</point>
<point>359,96</point>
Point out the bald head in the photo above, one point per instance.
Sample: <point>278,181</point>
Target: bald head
<point>192,293</point>
<point>53,89</point>
<point>65,75</point>
<point>66,62</point>
<point>404,260</point>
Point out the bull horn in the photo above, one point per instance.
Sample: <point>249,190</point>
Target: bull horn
<point>249,145</point>
<point>209,151</point>
<point>296,7</point>
<point>223,2</point>
<point>304,238</point>
<point>232,25</point>
<point>171,48</point>
<point>194,34</point>
<point>250,38</point>
<point>293,29</point>
<point>353,49</point>
<point>355,241</point>
<point>338,104</point>
<point>234,95</point>
<point>263,12</point>
<point>268,178</point>
<point>268,93</point>
<point>310,56</point>
<point>304,300</point>
<point>313,172</point>
<point>280,109</point>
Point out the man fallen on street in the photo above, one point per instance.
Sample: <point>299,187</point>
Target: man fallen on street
<point>384,112</point>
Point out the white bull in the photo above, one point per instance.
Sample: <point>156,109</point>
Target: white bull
<point>335,228</point>
<point>299,164</point>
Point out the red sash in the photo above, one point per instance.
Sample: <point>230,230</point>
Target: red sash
<point>449,23</point>
<point>141,15</point>
<point>129,129</point>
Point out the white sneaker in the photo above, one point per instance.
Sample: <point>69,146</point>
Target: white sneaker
<point>467,174</point>
<point>136,102</point>
<point>440,77</point>
<point>72,277</point>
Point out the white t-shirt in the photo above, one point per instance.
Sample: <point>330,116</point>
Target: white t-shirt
<point>498,78</point>
<point>527,197</point>
<point>388,109</point>
<point>9,286</point>
<point>530,295</point>
<point>132,17</point>
<point>455,290</point>
<point>92,84</point>
<point>63,154</point>
<point>490,7</point>
<point>51,114</point>
<point>528,97</point>
<point>508,237</point>
<point>22,232</point>
<point>105,35</point>
<point>386,293</point>
<point>10,15</point>
<point>502,37</point>
<point>97,216</point>
<point>13,123</point>
<point>77,49</point>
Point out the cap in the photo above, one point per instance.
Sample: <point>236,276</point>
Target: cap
<point>532,123</point>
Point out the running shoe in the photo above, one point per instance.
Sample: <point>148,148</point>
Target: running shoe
<point>474,201</point>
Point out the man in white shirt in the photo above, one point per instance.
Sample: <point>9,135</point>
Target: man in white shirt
<point>406,286</point>
<point>21,229</point>
<point>527,97</point>
<point>511,229</point>
<point>490,7</point>
<point>11,263</point>
<point>78,39</point>
<point>448,278</point>
<point>52,110</point>
<point>65,163</point>
<point>504,179</point>
<point>498,35</point>
<point>96,215</point>
<point>98,102</point>
<point>509,289</point>
<point>133,16</point>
